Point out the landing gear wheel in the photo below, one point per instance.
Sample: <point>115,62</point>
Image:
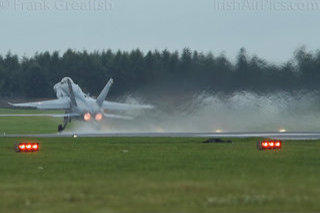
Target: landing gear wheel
<point>60,128</point>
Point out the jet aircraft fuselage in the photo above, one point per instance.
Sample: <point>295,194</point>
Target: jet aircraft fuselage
<point>78,105</point>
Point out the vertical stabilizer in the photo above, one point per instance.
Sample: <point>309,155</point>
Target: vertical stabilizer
<point>72,97</point>
<point>104,92</point>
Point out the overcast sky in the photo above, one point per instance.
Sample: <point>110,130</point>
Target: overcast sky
<point>272,30</point>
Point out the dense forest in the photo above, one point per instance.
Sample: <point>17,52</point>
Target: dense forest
<point>155,71</point>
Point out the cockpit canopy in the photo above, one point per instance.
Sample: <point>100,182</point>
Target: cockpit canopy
<point>62,88</point>
<point>65,80</point>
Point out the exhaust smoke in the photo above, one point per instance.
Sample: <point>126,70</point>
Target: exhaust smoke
<point>238,112</point>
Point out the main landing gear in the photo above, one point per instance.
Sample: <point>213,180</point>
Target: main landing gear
<point>66,120</point>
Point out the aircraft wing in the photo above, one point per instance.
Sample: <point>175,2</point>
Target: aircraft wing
<point>108,105</point>
<point>41,115</point>
<point>61,103</point>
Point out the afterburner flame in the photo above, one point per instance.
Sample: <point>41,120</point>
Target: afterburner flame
<point>98,117</point>
<point>87,116</point>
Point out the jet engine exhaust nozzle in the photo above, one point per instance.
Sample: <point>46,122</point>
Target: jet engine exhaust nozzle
<point>87,116</point>
<point>98,117</point>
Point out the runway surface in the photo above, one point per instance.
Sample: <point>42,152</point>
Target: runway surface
<point>274,135</point>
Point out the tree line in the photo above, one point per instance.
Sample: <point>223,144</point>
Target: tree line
<point>156,71</point>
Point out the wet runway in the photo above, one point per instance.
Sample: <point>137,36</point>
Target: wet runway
<point>273,135</point>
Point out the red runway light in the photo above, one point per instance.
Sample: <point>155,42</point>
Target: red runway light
<point>264,145</point>
<point>27,147</point>
<point>22,146</point>
<point>35,146</point>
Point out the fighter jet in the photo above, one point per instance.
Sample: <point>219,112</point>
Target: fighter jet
<point>78,105</point>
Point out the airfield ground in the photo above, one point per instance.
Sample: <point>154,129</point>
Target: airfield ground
<point>28,125</point>
<point>156,175</point>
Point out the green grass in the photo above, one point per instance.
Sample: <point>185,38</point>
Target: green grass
<point>152,174</point>
<point>159,175</point>
<point>28,125</point>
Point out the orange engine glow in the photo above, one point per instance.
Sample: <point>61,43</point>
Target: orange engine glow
<point>87,116</point>
<point>98,117</point>
<point>27,147</point>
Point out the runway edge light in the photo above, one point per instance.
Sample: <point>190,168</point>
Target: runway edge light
<point>27,147</point>
<point>269,145</point>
